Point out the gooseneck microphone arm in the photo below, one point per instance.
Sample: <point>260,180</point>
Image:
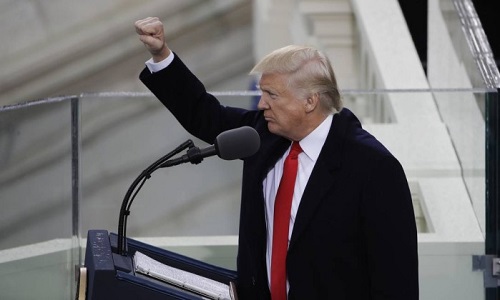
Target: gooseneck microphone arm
<point>128,199</point>
<point>231,144</point>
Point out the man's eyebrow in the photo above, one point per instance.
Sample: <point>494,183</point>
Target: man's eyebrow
<point>269,91</point>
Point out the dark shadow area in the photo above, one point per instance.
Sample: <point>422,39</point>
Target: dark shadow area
<point>415,13</point>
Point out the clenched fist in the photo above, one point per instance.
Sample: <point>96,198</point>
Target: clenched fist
<point>151,33</point>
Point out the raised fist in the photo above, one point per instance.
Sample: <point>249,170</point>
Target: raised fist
<point>151,33</point>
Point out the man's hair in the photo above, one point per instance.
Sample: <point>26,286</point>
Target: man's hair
<point>309,70</point>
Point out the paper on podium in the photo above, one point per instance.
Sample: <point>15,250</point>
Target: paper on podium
<point>183,279</point>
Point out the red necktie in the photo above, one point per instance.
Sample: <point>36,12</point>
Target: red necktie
<point>282,207</point>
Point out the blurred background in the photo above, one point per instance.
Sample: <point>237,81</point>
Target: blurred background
<point>77,126</point>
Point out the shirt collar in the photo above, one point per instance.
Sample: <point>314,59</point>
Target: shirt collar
<point>314,141</point>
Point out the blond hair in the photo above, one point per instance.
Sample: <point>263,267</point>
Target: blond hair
<point>309,71</point>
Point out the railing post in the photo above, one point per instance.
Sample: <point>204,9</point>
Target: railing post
<point>76,249</point>
<point>492,243</point>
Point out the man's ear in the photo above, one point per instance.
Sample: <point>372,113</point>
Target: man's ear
<point>312,102</point>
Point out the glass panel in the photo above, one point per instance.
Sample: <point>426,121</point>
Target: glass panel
<point>443,158</point>
<point>446,178</point>
<point>121,137</point>
<point>35,191</point>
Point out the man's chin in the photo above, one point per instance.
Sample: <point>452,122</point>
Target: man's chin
<point>273,128</point>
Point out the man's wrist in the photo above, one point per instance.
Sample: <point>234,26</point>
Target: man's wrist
<point>161,54</point>
<point>154,66</point>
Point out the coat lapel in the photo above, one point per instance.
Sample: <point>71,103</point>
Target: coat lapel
<point>324,175</point>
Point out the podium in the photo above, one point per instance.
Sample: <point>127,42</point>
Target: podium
<point>111,275</point>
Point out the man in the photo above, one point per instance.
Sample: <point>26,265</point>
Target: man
<point>350,228</point>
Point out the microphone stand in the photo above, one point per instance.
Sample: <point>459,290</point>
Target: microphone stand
<point>141,179</point>
<point>194,155</point>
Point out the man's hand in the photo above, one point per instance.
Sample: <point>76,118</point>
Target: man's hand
<point>151,33</point>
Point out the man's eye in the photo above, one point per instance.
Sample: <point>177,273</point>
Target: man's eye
<point>272,95</point>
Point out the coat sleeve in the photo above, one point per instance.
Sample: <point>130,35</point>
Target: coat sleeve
<point>199,112</point>
<point>390,232</point>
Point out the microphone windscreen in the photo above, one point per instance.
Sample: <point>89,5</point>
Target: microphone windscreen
<point>237,143</point>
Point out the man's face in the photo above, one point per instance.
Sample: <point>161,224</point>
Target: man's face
<point>283,111</point>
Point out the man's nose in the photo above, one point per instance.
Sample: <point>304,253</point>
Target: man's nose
<point>262,104</point>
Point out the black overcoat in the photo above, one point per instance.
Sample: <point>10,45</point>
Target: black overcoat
<point>354,235</point>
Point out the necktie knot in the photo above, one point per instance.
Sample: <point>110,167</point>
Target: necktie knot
<point>295,150</point>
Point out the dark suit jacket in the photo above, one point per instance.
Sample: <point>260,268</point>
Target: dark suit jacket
<point>354,235</point>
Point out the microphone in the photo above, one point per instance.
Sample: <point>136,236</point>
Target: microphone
<point>237,143</point>
<point>231,144</point>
